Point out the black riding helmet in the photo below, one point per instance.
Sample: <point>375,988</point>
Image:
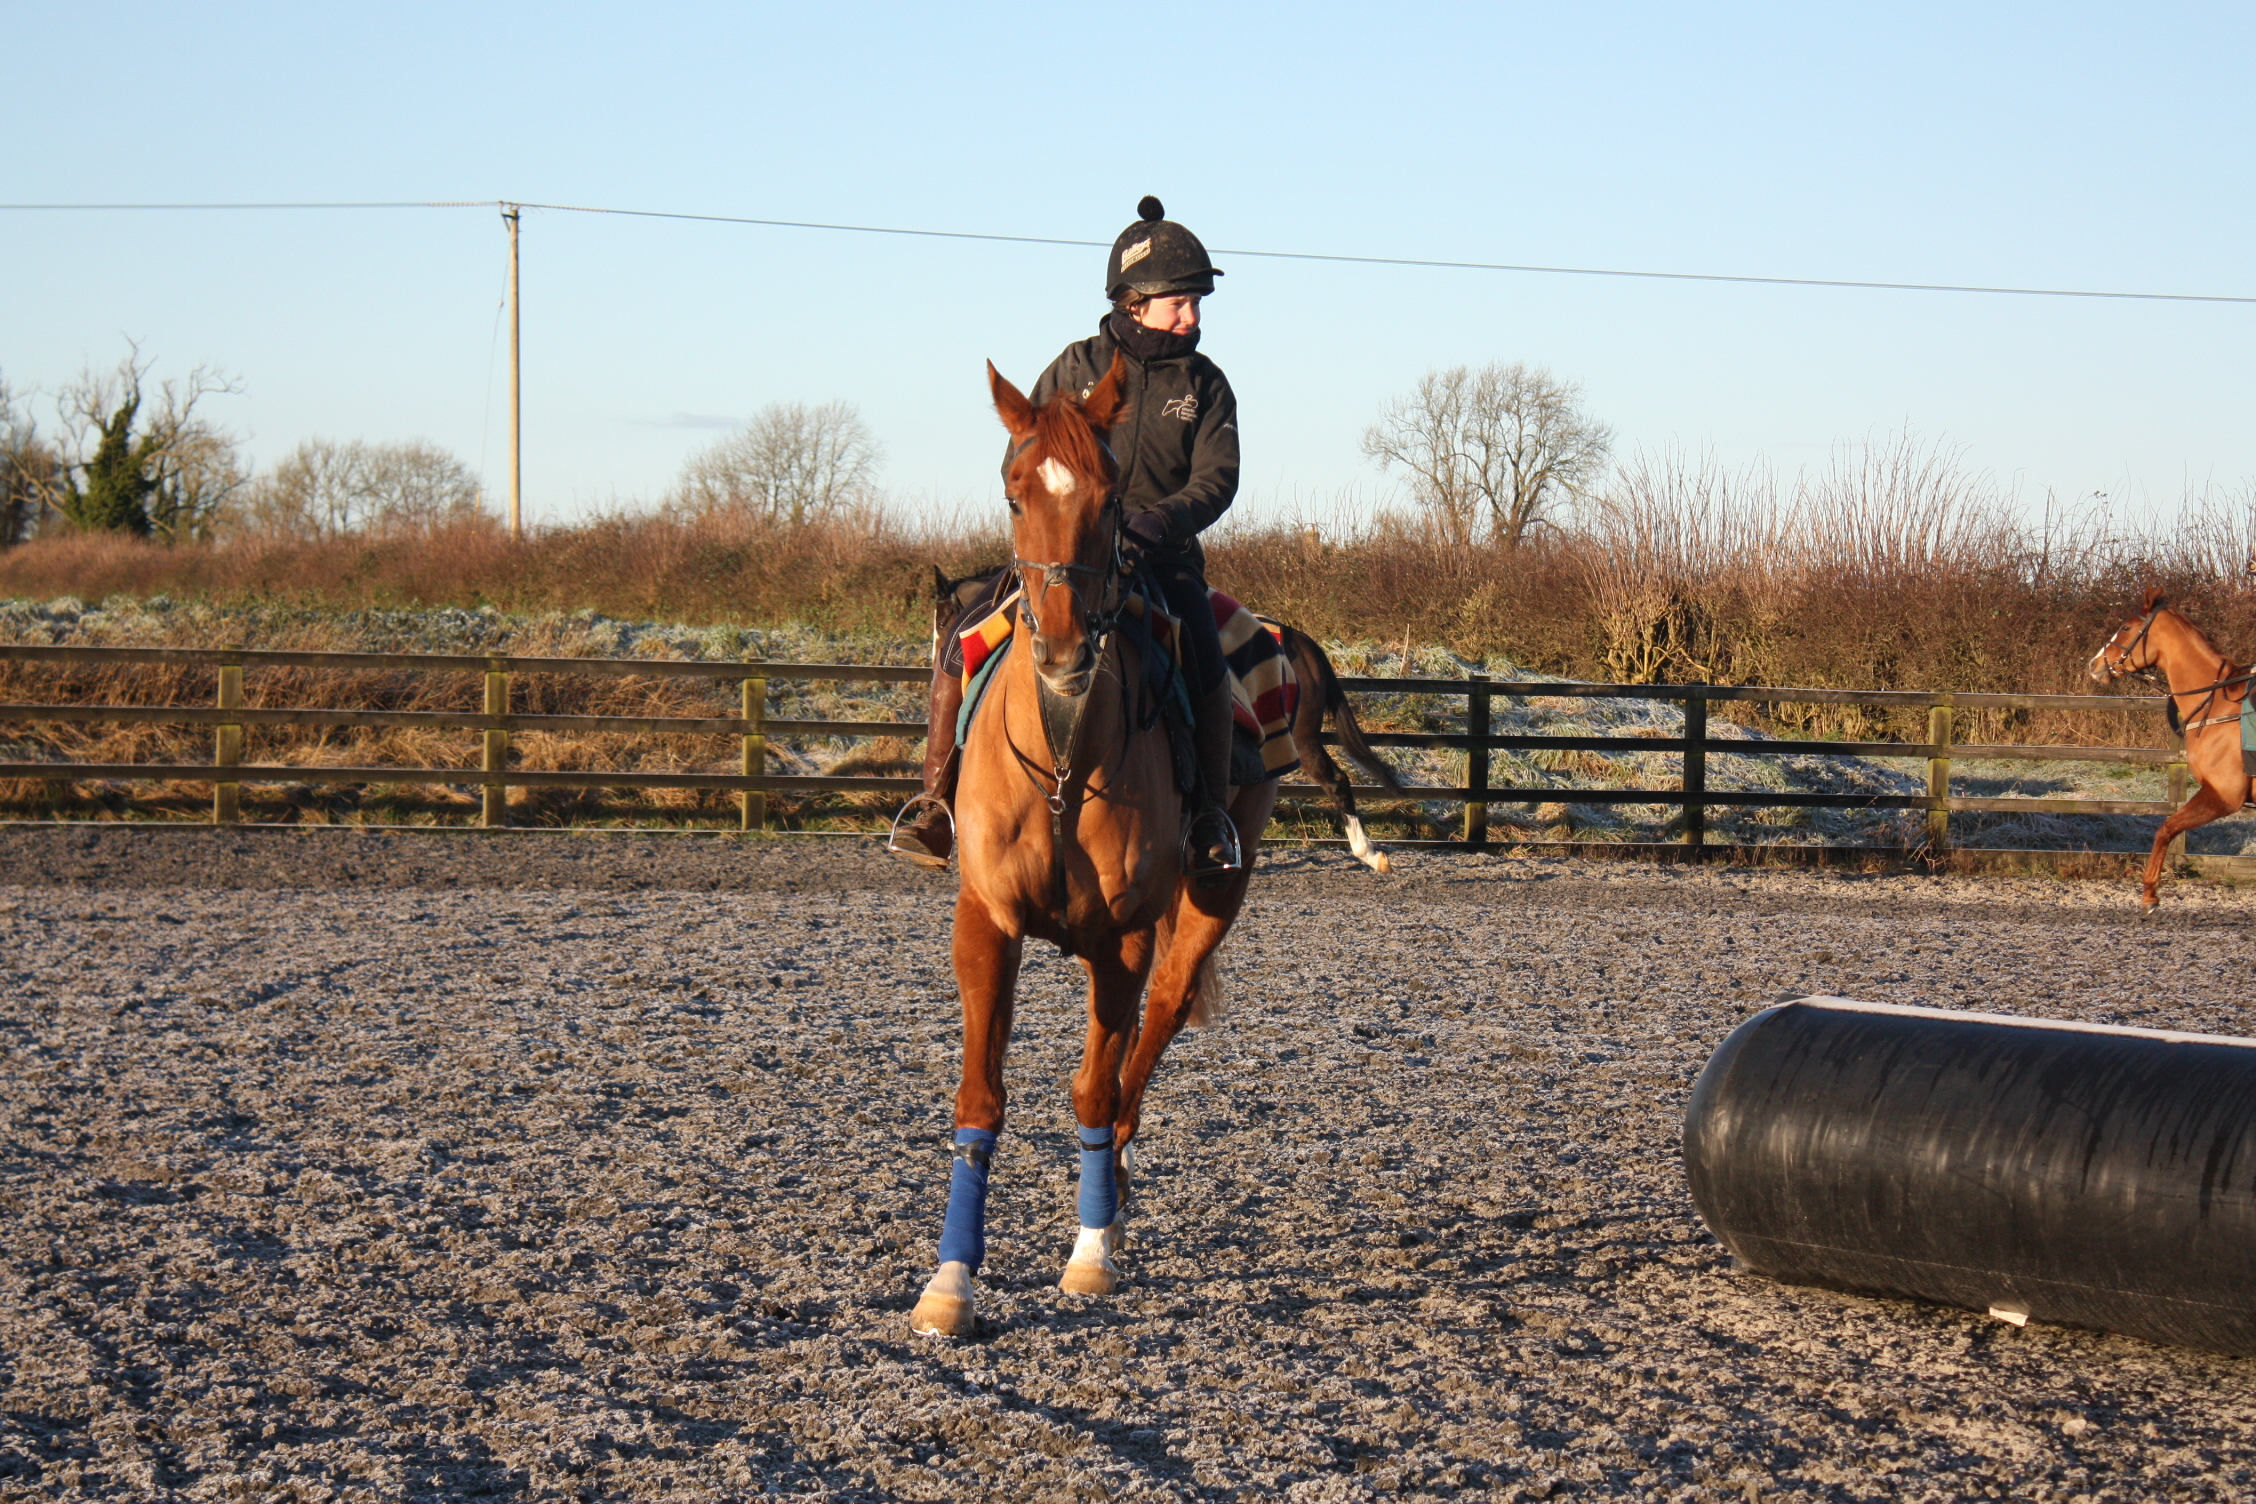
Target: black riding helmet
<point>1156,256</point>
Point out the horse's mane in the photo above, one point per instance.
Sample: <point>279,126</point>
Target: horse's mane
<point>1068,437</point>
<point>2198,635</point>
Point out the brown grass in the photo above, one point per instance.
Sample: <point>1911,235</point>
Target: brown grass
<point>1892,569</point>
<point>863,572</point>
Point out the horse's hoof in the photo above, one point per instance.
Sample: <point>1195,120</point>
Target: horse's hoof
<point>945,1309</point>
<point>1091,1270</point>
<point>1380,864</point>
<point>1116,1236</point>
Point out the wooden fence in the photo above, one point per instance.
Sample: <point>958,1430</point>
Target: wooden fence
<point>229,716</point>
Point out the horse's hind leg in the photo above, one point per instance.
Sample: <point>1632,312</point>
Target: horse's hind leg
<point>1320,693</point>
<point>1183,979</point>
<point>2206,805</point>
<point>1116,982</point>
<point>987,962</point>
<point>1317,766</point>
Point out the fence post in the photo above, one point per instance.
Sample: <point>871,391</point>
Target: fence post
<point>227,747</point>
<point>1695,771</point>
<point>1476,762</point>
<point>2175,854</point>
<point>493,809</point>
<point>753,803</point>
<point>1941,730</point>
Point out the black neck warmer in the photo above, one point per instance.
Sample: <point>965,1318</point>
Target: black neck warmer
<point>1147,344</point>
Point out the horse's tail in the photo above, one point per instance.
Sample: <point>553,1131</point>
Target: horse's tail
<point>1210,999</point>
<point>1310,657</point>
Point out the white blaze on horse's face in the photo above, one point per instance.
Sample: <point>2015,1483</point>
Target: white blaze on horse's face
<point>1056,479</point>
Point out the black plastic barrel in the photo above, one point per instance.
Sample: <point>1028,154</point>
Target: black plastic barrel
<point>2077,1173</point>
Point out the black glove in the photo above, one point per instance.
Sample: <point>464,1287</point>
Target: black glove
<point>1142,534</point>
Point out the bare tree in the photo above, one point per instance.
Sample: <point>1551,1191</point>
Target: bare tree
<point>1510,444</point>
<point>327,489</point>
<point>136,462</point>
<point>791,463</point>
<point>29,471</point>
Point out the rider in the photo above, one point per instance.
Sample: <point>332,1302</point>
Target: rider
<point>1178,451</point>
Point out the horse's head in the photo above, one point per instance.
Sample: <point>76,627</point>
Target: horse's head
<point>952,595</point>
<point>2129,651</point>
<point>1065,522</point>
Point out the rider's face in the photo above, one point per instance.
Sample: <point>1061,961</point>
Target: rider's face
<point>1176,313</point>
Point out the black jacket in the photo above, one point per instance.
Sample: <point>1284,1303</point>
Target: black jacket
<point>1177,442</point>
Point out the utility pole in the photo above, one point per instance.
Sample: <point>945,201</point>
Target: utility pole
<point>516,410</point>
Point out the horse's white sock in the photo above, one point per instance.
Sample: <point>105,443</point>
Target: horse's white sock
<point>1357,841</point>
<point>1089,1247</point>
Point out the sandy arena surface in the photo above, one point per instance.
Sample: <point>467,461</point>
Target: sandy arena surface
<point>340,1166</point>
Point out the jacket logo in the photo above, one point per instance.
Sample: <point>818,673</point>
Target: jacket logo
<point>1185,408</point>
<point>1134,254</point>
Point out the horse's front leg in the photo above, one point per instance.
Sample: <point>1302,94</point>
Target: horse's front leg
<point>987,961</point>
<point>1116,985</point>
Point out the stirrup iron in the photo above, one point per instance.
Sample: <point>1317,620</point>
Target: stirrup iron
<point>1194,850</point>
<point>893,834</point>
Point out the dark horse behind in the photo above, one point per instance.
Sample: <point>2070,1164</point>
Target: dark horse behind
<point>1320,697</point>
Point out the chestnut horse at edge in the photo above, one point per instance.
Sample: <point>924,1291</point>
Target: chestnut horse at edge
<point>2208,697</point>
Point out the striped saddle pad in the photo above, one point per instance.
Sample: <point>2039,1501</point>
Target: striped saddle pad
<point>1264,692</point>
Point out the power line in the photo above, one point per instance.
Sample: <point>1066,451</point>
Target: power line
<point>442,203</point>
<point>1416,261</point>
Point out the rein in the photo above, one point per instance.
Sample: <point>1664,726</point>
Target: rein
<point>1062,716</point>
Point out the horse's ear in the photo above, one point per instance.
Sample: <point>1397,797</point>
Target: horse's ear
<point>1102,406</point>
<point>1010,404</point>
<point>2154,600</point>
<point>941,588</point>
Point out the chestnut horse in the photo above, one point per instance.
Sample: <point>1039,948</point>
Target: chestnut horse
<point>2208,696</point>
<point>1320,696</point>
<point>1070,829</point>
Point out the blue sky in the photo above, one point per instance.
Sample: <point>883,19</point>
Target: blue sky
<point>2054,146</point>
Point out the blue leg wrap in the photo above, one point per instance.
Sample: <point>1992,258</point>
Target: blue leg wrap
<point>1100,1192</point>
<point>963,1236</point>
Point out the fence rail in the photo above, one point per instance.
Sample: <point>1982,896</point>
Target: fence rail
<point>229,717</point>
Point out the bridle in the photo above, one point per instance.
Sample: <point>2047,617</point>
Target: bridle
<point>1035,574</point>
<point>2124,653</point>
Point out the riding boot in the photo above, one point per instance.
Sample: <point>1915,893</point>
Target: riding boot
<point>1211,840</point>
<point>924,832</point>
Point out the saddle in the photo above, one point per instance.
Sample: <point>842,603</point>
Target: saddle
<point>2246,715</point>
<point>1264,691</point>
